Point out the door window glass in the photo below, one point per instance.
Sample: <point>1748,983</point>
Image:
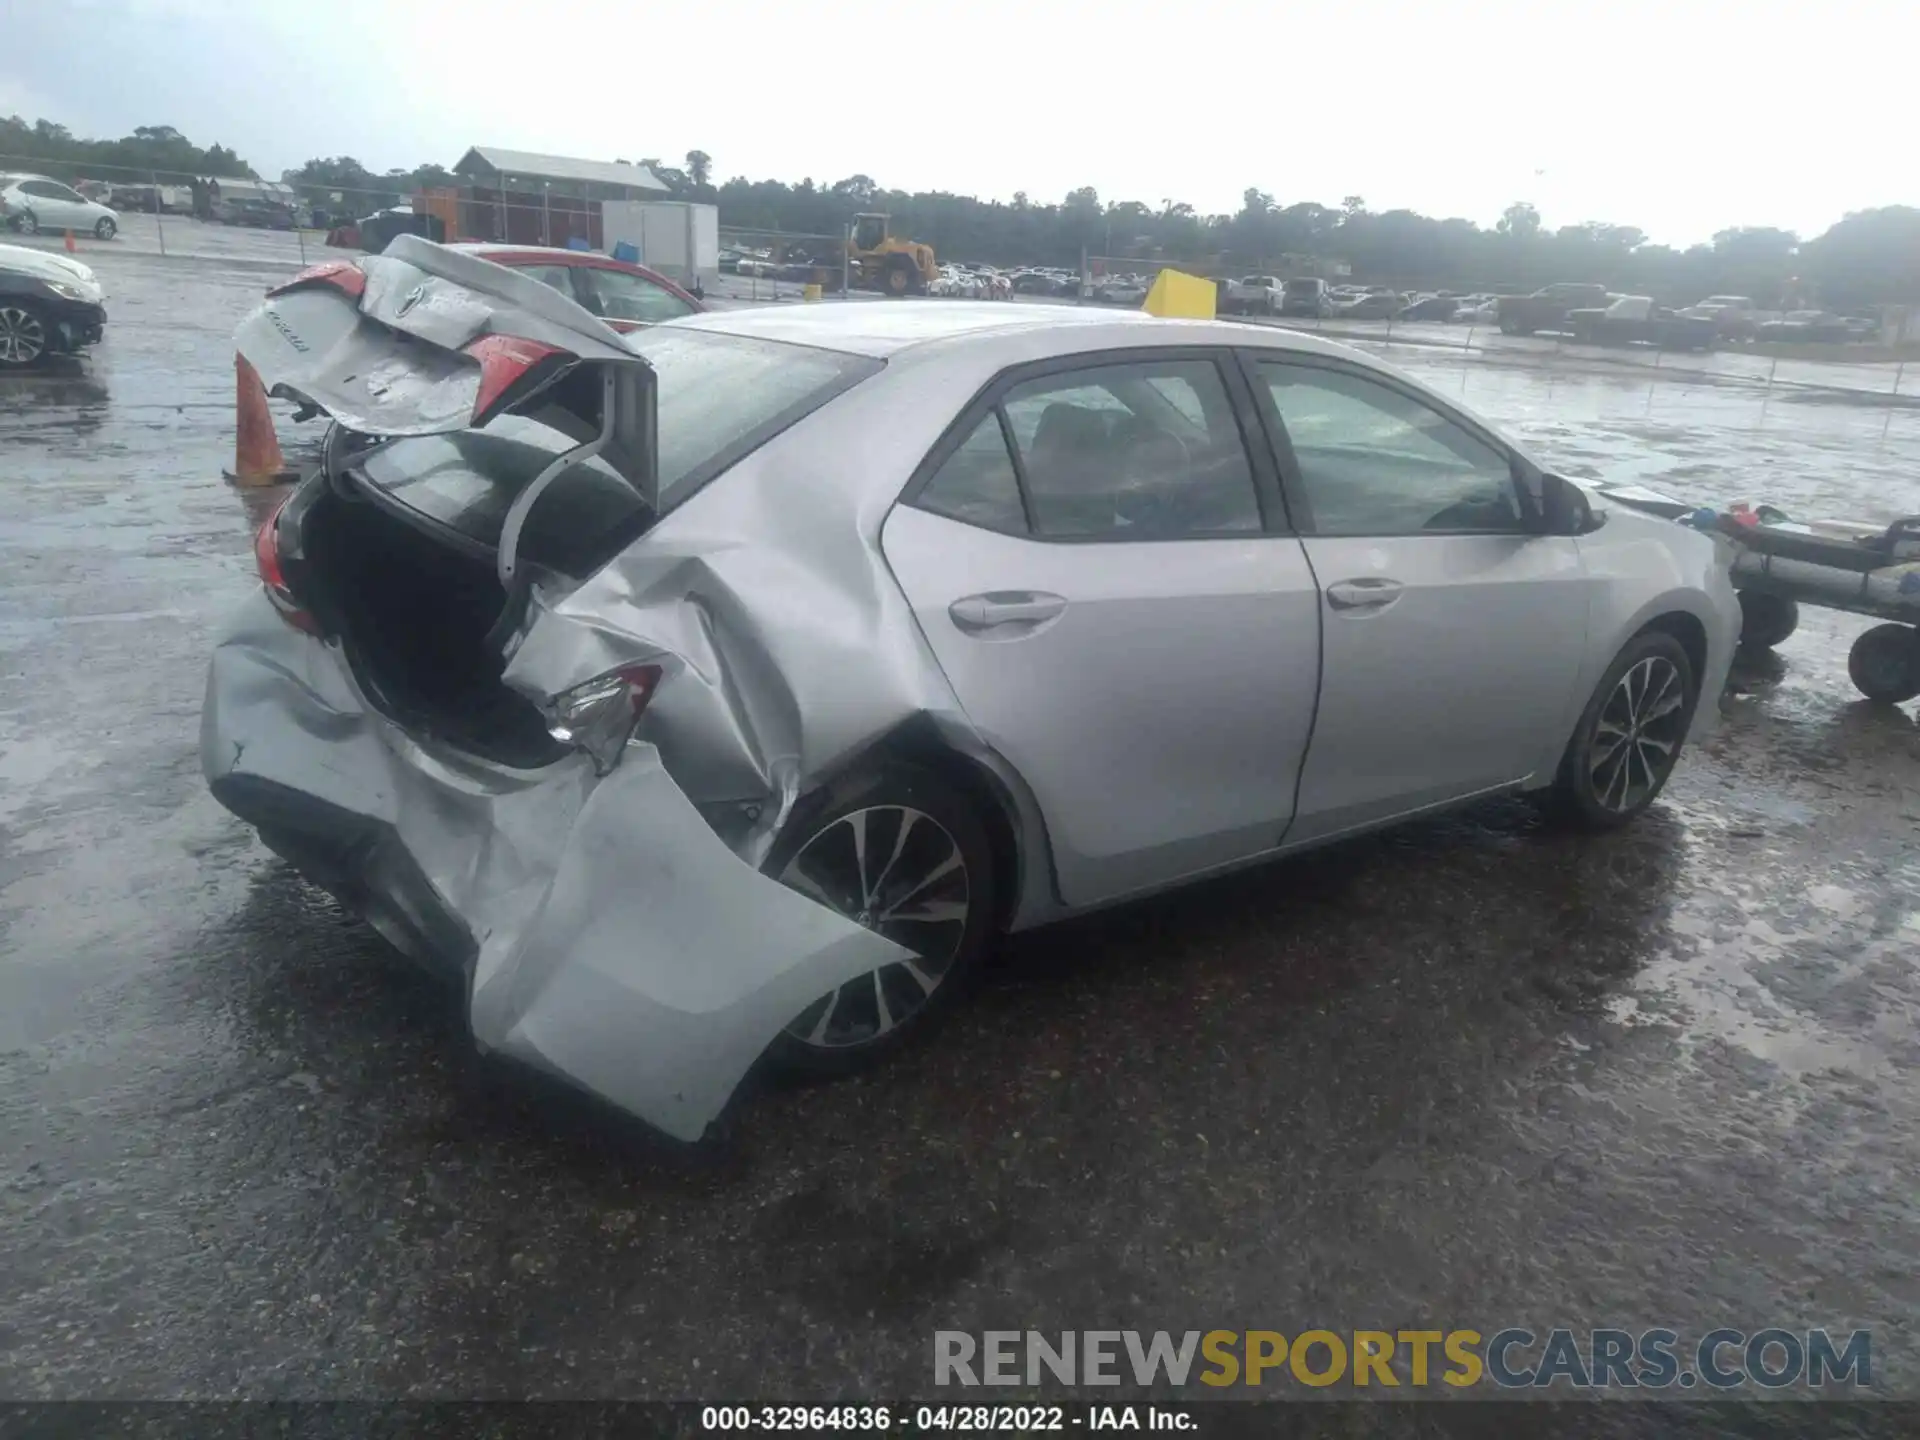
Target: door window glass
<point>616,295</point>
<point>1374,461</point>
<point>1133,452</point>
<point>552,275</point>
<point>977,483</point>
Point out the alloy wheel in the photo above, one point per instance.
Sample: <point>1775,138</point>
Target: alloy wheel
<point>23,338</point>
<point>1637,734</point>
<point>898,872</point>
<point>28,223</point>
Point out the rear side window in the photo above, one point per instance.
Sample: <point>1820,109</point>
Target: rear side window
<point>977,483</point>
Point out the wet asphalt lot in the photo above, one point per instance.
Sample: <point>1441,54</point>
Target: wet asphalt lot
<point>1471,1074</point>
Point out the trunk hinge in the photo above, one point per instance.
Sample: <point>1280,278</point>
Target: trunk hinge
<point>507,559</point>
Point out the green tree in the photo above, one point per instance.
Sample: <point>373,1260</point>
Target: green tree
<point>1520,220</point>
<point>699,168</point>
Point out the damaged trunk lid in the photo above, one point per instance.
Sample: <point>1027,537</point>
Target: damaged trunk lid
<point>411,544</point>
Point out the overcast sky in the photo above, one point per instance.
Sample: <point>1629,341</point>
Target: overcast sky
<point>1680,116</point>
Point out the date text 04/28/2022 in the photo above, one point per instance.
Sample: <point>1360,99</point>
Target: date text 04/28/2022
<point>1018,1419</point>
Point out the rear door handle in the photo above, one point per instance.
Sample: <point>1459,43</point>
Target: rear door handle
<point>1371,592</point>
<point>1028,608</point>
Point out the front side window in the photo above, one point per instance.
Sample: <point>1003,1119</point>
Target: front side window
<point>1139,451</point>
<point>1375,461</point>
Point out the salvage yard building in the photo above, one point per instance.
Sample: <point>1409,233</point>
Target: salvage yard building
<point>527,199</point>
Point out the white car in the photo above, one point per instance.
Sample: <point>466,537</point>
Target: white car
<point>32,203</point>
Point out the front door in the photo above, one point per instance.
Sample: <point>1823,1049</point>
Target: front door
<point>1090,566</point>
<point>56,207</point>
<point>1453,635</point>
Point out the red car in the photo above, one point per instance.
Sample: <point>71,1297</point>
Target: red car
<point>627,297</point>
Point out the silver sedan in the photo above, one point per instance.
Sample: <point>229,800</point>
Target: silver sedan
<point>733,685</point>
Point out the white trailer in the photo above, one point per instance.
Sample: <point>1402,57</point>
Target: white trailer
<point>679,238</point>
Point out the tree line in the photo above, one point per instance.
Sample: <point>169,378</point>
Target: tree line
<point>1870,257</point>
<point>150,149</point>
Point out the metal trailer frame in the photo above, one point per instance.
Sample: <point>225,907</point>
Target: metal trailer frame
<point>1884,663</point>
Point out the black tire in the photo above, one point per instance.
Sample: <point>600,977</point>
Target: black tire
<point>1884,664</point>
<point>27,223</point>
<point>25,334</point>
<point>899,276</point>
<point>871,1016</point>
<point>105,229</point>
<point>1766,620</point>
<point>1601,786</point>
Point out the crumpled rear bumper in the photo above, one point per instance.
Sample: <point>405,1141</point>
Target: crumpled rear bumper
<point>604,932</point>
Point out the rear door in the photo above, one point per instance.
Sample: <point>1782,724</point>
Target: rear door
<point>1453,634</point>
<point>1095,556</point>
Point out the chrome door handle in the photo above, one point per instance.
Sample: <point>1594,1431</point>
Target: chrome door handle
<point>1368,593</point>
<point>1005,607</point>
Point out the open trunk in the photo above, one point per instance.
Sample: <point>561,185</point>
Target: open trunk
<point>398,557</point>
<point>414,617</point>
<point>490,436</point>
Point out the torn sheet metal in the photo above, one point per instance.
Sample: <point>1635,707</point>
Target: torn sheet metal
<point>616,941</point>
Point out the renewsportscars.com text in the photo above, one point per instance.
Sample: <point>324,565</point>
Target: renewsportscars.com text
<point>1656,1359</point>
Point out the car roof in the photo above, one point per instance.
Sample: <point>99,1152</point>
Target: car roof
<point>879,328</point>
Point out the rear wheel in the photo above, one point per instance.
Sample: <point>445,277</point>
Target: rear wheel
<point>23,335</point>
<point>27,223</point>
<point>1884,664</point>
<point>1629,736</point>
<point>899,852</point>
<point>1766,620</point>
<point>899,276</point>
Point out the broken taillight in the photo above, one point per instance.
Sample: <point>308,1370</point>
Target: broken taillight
<point>598,716</point>
<point>506,361</point>
<point>273,578</point>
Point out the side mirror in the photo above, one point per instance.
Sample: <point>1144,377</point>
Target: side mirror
<point>1566,509</point>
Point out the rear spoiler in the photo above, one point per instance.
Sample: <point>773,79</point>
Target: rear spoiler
<point>422,340</point>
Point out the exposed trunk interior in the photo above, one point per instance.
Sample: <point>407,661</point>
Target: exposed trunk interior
<point>414,614</point>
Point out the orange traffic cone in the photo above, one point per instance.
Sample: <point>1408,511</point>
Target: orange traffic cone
<point>256,449</point>
<point>70,245</point>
